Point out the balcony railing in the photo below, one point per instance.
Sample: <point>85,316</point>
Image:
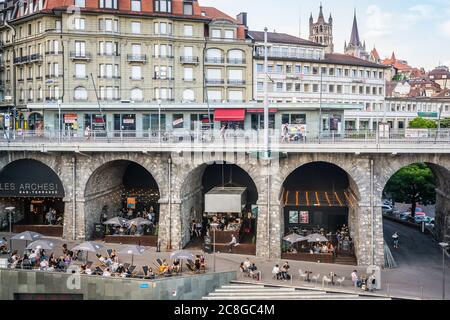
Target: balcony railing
<point>109,77</point>
<point>23,59</point>
<point>163,78</point>
<point>75,55</point>
<point>157,56</point>
<point>236,61</point>
<point>53,52</point>
<point>136,57</point>
<point>215,81</point>
<point>136,78</point>
<point>189,60</point>
<point>36,57</point>
<point>80,77</point>
<point>214,60</point>
<point>109,54</point>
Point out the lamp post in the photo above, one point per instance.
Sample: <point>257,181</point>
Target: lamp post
<point>444,246</point>
<point>266,98</point>
<point>214,226</point>
<point>59,121</point>
<point>10,211</point>
<point>159,120</point>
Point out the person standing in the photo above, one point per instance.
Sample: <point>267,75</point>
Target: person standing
<point>355,278</point>
<point>87,132</point>
<point>222,132</point>
<point>232,243</point>
<point>395,238</point>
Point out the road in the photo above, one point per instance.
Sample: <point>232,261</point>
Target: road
<point>419,260</point>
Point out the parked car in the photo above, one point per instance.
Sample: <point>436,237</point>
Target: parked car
<point>386,209</point>
<point>419,218</point>
<point>405,215</point>
<point>429,222</point>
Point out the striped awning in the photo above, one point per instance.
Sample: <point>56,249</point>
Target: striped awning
<point>300,198</point>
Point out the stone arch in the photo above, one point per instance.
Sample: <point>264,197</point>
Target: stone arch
<point>190,190</point>
<point>440,166</point>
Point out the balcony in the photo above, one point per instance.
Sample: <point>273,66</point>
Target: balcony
<point>214,60</point>
<point>215,81</point>
<point>19,60</point>
<point>236,82</point>
<point>163,78</point>
<point>29,79</point>
<point>78,77</point>
<point>136,78</point>
<point>75,55</point>
<point>109,77</point>
<point>108,54</point>
<point>38,78</point>
<point>162,56</point>
<point>137,58</point>
<point>53,52</point>
<point>236,61</point>
<point>36,57</point>
<point>189,60</point>
<point>189,79</point>
<point>20,80</point>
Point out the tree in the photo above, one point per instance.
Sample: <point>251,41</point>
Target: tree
<point>421,123</point>
<point>445,123</point>
<point>413,184</point>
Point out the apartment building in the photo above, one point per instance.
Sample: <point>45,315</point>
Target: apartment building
<point>127,58</point>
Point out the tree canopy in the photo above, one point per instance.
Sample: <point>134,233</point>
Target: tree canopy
<point>413,184</point>
<point>422,123</point>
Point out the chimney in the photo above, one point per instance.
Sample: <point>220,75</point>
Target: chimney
<point>242,18</point>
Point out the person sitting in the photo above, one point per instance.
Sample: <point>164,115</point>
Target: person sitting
<point>355,279</point>
<point>324,249</point>
<point>65,250</point>
<point>150,273</point>
<point>232,243</point>
<point>285,271</point>
<point>107,272</point>
<point>252,269</point>
<point>276,272</point>
<point>26,263</point>
<point>176,266</point>
<point>4,246</point>
<point>247,265</point>
<point>202,263</point>
<point>197,263</point>
<point>43,264</point>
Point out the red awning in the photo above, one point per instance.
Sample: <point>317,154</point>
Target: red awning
<point>229,115</point>
<point>271,110</point>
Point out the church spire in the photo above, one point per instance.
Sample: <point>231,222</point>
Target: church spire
<point>321,18</point>
<point>354,38</point>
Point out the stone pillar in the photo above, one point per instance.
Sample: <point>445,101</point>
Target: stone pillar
<point>269,233</point>
<point>80,223</point>
<point>170,225</point>
<point>365,248</point>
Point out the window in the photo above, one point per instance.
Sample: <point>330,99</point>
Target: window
<point>178,121</point>
<point>188,9</point>
<point>80,48</point>
<point>188,95</point>
<point>235,75</point>
<point>229,34</point>
<point>298,69</point>
<point>135,5</point>
<point>109,25</point>
<point>136,94</point>
<point>79,24</point>
<point>288,69</point>
<point>163,6</point>
<point>163,28</point>
<point>260,68</point>
<point>135,27</point>
<point>188,52</point>
<point>279,68</point>
<point>80,3</point>
<point>234,95</point>
<point>315,70</point>
<point>58,25</point>
<point>315,87</point>
<point>214,95</point>
<point>188,30</point>
<point>279,86</point>
<point>136,73</point>
<point>260,86</point>
<point>80,93</point>
<point>188,74</point>
<point>215,33</point>
<point>214,74</point>
<point>288,87</point>
<point>306,69</point>
<point>80,70</point>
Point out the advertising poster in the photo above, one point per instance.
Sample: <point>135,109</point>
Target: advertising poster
<point>304,217</point>
<point>293,216</point>
<point>131,203</point>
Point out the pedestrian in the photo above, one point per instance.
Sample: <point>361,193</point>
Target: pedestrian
<point>222,132</point>
<point>355,279</point>
<point>232,243</point>
<point>87,132</point>
<point>395,238</point>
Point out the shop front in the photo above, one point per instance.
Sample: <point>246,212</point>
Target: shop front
<point>257,118</point>
<point>125,125</point>
<point>230,118</point>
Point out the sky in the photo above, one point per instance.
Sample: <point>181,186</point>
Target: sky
<point>417,30</point>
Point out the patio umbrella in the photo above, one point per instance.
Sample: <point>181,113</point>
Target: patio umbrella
<point>41,244</point>
<point>316,237</point>
<point>88,246</point>
<point>27,236</point>
<point>182,254</point>
<point>293,238</point>
<point>132,250</point>
<point>117,221</point>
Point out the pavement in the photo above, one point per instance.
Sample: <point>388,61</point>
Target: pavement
<point>419,274</point>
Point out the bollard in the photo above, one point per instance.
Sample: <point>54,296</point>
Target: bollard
<point>388,290</point>
<point>421,293</point>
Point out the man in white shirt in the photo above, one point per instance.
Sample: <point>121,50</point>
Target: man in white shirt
<point>276,271</point>
<point>355,278</point>
<point>247,264</point>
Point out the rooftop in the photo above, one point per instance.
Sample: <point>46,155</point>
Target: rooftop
<point>275,37</point>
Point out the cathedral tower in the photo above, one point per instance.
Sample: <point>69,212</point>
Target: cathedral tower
<point>322,31</point>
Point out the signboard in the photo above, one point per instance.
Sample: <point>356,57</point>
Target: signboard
<point>177,122</point>
<point>70,118</point>
<point>293,216</point>
<point>416,133</point>
<point>131,203</point>
<point>128,121</point>
<point>304,217</point>
<point>29,178</point>
<point>7,120</point>
<point>428,114</point>
<point>335,122</point>
<point>98,122</point>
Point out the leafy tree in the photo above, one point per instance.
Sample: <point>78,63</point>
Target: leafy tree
<point>421,123</point>
<point>445,123</point>
<point>413,184</point>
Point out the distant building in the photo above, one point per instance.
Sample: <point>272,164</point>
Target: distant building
<point>322,32</point>
<point>355,47</point>
<point>441,76</point>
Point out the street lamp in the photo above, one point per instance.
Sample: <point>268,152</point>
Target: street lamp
<point>214,226</point>
<point>159,120</point>
<point>444,246</point>
<point>10,211</point>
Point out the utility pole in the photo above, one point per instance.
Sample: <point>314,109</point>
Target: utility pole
<point>266,98</point>
<point>320,104</point>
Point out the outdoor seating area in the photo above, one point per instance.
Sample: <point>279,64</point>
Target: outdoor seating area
<point>40,254</point>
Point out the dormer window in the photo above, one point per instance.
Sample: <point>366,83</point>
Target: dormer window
<point>135,5</point>
<point>108,4</point>
<point>188,8</point>
<point>163,6</point>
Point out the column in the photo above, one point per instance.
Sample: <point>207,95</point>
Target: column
<point>269,230</point>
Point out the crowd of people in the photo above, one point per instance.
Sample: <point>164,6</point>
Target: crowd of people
<point>52,217</point>
<point>129,228</point>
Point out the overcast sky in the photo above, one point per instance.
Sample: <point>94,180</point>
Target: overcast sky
<point>417,30</point>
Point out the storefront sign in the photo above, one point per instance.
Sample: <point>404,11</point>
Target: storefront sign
<point>70,118</point>
<point>7,120</point>
<point>177,122</point>
<point>304,217</point>
<point>335,122</point>
<point>293,216</point>
<point>24,189</point>
<point>128,121</point>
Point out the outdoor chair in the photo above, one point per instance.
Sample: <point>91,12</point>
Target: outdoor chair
<point>145,271</point>
<point>303,275</point>
<point>315,278</point>
<point>126,265</point>
<point>340,280</point>
<point>190,267</point>
<point>159,262</point>
<point>109,251</point>
<point>326,280</point>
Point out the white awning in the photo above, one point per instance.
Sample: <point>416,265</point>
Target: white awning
<point>225,200</point>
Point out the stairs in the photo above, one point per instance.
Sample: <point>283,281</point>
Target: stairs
<point>237,291</point>
<point>345,260</point>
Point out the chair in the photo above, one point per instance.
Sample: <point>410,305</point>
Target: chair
<point>303,275</point>
<point>145,271</point>
<point>109,251</point>
<point>315,278</point>
<point>340,280</point>
<point>159,262</point>
<point>326,280</point>
<point>126,265</point>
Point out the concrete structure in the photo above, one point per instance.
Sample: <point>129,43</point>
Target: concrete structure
<point>21,284</point>
<point>90,174</point>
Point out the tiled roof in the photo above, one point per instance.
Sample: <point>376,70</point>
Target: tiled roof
<point>275,37</point>
<point>214,13</point>
<point>339,58</point>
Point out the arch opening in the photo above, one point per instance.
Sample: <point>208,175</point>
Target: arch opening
<point>233,194</point>
<point>36,193</point>
<point>123,189</point>
<point>320,198</point>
